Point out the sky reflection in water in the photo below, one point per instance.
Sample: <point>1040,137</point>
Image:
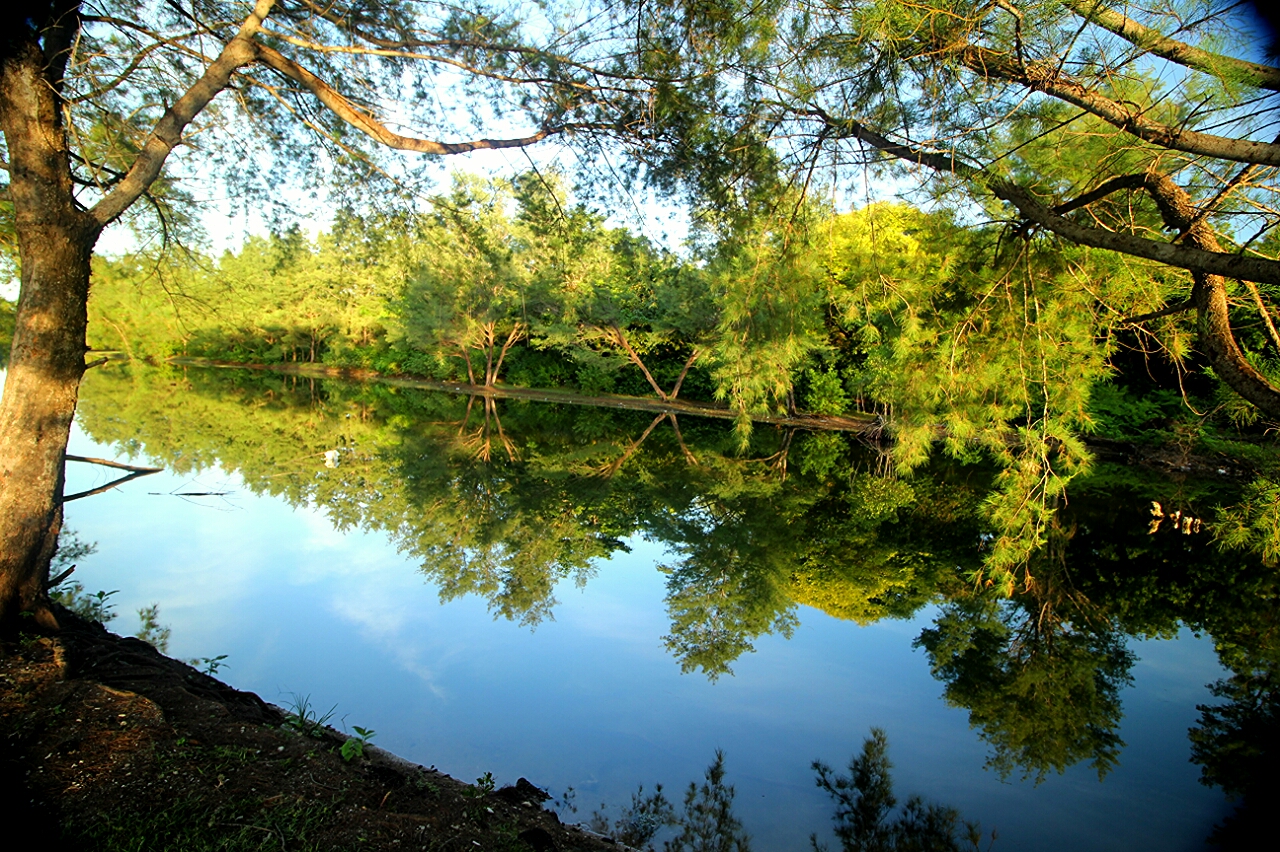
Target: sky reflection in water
<point>592,699</point>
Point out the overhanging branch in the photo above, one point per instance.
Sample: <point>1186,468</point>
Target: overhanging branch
<point>1045,77</point>
<point>168,131</point>
<point>1251,73</point>
<point>338,103</point>
<point>1186,257</point>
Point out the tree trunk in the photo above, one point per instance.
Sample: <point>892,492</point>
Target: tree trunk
<point>55,242</point>
<point>675,391</point>
<point>517,334</point>
<point>1209,294</point>
<point>635,359</point>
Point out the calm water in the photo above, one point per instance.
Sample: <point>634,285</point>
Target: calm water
<point>594,611</point>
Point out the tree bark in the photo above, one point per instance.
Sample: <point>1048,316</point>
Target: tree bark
<point>635,359</point>
<point>55,242</point>
<point>675,391</point>
<point>1209,293</point>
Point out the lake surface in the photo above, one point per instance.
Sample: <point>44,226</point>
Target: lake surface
<point>558,593</point>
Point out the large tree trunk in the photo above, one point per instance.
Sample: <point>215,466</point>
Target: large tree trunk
<point>55,242</point>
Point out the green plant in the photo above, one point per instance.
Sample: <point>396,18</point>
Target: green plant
<point>639,822</point>
<point>476,808</point>
<point>153,632</point>
<point>354,746</point>
<point>305,719</point>
<point>92,607</point>
<point>865,817</point>
<point>208,665</point>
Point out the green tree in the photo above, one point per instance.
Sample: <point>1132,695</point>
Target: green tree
<point>471,291</point>
<point>97,95</point>
<point>708,823</point>
<point>770,324</point>
<point>1044,694</point>
<point>1147,136</point>
<point>865,802</point>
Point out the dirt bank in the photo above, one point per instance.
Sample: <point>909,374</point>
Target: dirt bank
<point>106,744</point>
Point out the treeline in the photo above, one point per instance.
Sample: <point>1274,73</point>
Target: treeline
<point>884,309</point>
<point>498,281</point>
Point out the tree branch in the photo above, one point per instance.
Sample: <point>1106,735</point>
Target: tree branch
<point>109,463</point>
<point>112,484</point>
<point>1167,311</point>
<point>1044,77</point>
<point>168,131</point>
<point>1134,181</point>
<point>376,130</point>
<point>1251,73</point>
<point>1182,256</point>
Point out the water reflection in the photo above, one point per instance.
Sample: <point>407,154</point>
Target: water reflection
<point>512,501</point>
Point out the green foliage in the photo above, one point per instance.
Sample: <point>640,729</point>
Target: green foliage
<point>1045,693</point>
<point>194,824</point>
<point>770,322</point>
<point>353,746</point>
<point>152,631</point>
<point>477,810</point>
<point>302,717</point>
<point>1236,742</point>
<point>208,665</point>
<point>825,392</point>
<point>1254,523</point>
<point>8,320</point>
<point>639,822</point>
<point>708,823</point>
<point>865,802</point>
<point>822,454</point>
<point>92,607</point>
<point>71,550</point>
<point>1120,414</point>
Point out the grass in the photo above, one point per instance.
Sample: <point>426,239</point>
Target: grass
<point>306,719</point>
<point>195,825</point>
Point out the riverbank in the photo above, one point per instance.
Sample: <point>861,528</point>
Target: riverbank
<point>106,744</point>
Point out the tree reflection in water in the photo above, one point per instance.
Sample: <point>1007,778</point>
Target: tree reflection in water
<point>510,502</point>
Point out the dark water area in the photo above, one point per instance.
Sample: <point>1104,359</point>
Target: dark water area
<point>596,599</point>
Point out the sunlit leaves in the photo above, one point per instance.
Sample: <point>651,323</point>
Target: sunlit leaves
<point>1254,523</point>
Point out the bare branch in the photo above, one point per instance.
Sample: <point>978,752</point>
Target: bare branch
<point>1266,314</point>
<point>109,463</point>
<point>1113,185</point>
<point>1185,257</point>
<point>112,484</point>
<point>1169,310</point>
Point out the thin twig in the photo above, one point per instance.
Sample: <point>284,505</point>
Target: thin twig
<point>106,463</point>
<point>122,480</point>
